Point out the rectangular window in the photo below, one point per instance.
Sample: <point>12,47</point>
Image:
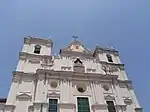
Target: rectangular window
<point>111,107</point>
<point>83,104</point>
<point>52,105</point>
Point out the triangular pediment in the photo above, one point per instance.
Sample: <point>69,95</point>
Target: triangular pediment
<point>76,47</point>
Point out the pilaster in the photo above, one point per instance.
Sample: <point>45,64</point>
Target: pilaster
<point>13,89</point>
<point>41,87</point>
<point>93,93</point>
<point>133,95</point>
<point>65,91</point>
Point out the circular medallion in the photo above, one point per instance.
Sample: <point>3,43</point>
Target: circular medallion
<point>81,88</point>
<point>54,84</point>
<point>106,87</point>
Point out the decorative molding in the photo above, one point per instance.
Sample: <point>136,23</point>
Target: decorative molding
<point>77,76</point>
<point>36,58</point>
<point>127,100</point>
<point>109,97</point>
<point>113,66</point>
<point>53,94</point>
<point>24,95</point>
<point>125,84</point>
<point>31,108</point>
<point>108,69</point>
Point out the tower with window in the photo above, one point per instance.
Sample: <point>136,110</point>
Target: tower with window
<point>76,80</point>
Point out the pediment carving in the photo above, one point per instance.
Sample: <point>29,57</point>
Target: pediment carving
<point>24,95</point>
<point>109,97</point>
<point>127,100</point>
<point>53,94</point>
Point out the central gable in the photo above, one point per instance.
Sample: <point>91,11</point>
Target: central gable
<point>75,48</point>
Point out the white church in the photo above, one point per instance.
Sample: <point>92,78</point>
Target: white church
<point>76,80</point>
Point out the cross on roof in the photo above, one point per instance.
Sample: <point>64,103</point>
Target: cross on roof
<point>75,38</point>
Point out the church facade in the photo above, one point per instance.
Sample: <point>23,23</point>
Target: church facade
<point>76,80</point>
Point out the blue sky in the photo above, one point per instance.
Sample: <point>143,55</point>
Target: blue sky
<point>122,23</point>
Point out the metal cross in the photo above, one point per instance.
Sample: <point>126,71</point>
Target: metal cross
<point>75,38</point>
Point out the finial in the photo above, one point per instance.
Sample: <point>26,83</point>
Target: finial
<point>75,38</point>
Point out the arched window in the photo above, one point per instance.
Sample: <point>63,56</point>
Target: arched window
<point>37,49</point>
<point>109,57</point>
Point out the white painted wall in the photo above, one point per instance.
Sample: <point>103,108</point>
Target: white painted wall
<point>66,90</point>
<point>2,107</point>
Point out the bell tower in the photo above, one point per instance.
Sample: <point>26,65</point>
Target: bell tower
<point>37,46</point>
<point>32,52</point>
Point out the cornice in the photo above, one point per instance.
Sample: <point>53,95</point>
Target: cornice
<point>30,40</point>
<point>125,83</point>
<point>18,74</point>
<point>23,55</point>
<point>69,75</point>
<point>45,60</point>
<point>105,50</point>
<point>120,66</point>
<point>79,54</point>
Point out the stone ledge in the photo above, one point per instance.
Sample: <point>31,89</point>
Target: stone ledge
<point>120,105</point>
<point>99,106</point>
<point>38,103</point>
<point>67,105</point>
